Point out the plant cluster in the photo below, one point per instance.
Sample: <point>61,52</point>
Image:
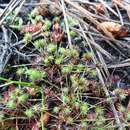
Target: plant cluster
<point>60,88</point>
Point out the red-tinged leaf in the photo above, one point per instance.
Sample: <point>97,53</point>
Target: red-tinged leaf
<point>31,28</point>
<point>11,88</point>
<point>31,91</point>
<point>91,116</point>
<point>45,118</point>
<point>57,34</point>
<point>109,115</point>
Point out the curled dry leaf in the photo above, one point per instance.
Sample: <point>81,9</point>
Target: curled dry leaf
<point>31,28</point>
<point>100,8</point>
<point>116,30</point>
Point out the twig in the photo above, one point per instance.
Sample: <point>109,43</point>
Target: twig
<point>120,16</point>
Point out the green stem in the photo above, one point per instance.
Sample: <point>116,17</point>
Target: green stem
<point>17,82</point>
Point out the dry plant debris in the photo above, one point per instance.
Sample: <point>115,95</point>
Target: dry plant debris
<point>100,8</point>
<point>117,30</point>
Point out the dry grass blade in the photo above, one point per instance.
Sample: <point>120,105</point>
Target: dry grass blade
<point>101,59</point>
<point>100,49</point>
<point>4,57</point>
<point>122,4</point>
<point>12,5</point>
<point>66,23</point>
<point>119,65</point>
<point>19,8</point>
<point>84,11</point>
<point>109,8</point>
<point>120,16</point>
<point>88,15</point>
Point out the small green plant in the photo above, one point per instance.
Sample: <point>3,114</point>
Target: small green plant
<point>73,22</point>
<point>56,110</point>
<point>67,111</point>
<point>38,18</point>
<point>47,25</point>
<point>93,73</point>
<point>20,71</point>
<point>65,99</point>
<point>23,98</point>
<point>60,86</point>
<point>59,60</point>
<point>80,68</point>
<point>88,56</point>
<point>70,120</point>
<point>74,53</point>
<point>56,19</point>
<point>29,113</point>
<point>39,44</point>
<point>35,74</point>
<point>84,108</point>
<point>51,48</point>
<point>67,69</point>
<point>73,34</point>
<point>11,104</point>
<point>99,110</point>
<point>27,38</point>
<point>17,24</point>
